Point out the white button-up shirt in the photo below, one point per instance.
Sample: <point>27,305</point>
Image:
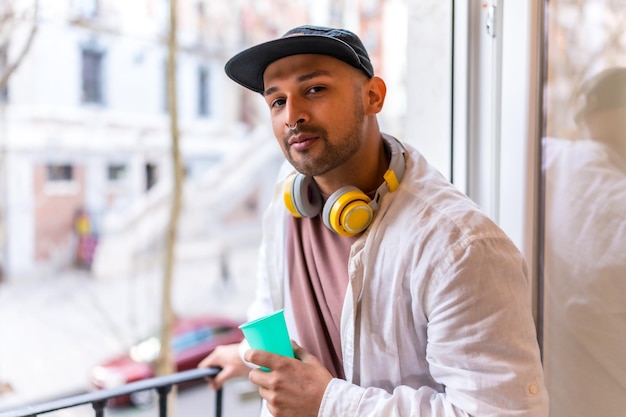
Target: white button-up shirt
<point>437,316</point>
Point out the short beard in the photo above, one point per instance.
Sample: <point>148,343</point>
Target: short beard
<point>336,153</point>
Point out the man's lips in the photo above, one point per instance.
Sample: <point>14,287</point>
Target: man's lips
<point>301,141</point>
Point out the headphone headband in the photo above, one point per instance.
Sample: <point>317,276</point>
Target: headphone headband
<point>395,172</point>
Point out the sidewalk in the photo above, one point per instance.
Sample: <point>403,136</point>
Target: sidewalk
<point>54,329</point>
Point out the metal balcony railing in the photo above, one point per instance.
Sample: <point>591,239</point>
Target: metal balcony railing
<point>98,399</point>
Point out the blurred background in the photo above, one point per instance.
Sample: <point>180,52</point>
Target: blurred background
<point>87,156</point>
<point>87,173</point>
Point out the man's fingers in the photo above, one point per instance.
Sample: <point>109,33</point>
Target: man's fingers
<point>206,362</point>
<point>218,381</point>
<point>227,358</point>
<point>268,360</point>
<point>302,354</point>
<point>260,358</point>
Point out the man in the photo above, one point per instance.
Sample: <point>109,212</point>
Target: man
<point>585,257</point>
<point>402,298</point>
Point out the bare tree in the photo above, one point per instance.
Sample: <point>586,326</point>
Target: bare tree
<point>10,19</point>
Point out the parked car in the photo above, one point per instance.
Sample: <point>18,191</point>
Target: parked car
<point>193,339</point>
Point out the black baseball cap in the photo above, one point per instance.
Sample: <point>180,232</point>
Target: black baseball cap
<point>604,91</point>
<point>247,67</point>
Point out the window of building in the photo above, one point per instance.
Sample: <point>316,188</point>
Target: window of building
<point>88,8</point>
<point>201,9</point>
<point>60,180</point>
<point>166,92</point>
<point>202,20</point>
<point>116,172</point>
<point>151,175</point>
<point>203,92</point>
<point>4,63</point>
<point>92,88</point>
<point>60,173</point>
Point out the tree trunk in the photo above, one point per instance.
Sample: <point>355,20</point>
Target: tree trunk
<point>165,362</point>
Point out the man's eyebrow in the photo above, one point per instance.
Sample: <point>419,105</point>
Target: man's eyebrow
<point>306,77</point>
<point>301,78</point>
<point>270,91</point>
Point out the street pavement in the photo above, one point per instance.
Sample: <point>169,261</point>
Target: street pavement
<point>55,327</point>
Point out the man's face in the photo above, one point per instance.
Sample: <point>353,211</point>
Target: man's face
<point>324,96</point>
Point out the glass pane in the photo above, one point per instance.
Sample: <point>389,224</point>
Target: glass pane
<point>584,174</point>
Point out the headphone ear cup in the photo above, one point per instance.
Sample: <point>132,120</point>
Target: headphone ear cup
<point>347,211</point>
<point>302,196</point>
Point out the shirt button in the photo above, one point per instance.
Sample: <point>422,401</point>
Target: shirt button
<point>532,388</point>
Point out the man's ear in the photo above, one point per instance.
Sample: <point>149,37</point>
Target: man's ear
<point>377,90</point>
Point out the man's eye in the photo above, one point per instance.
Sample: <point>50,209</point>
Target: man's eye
<point>316,89</point>
<point>277,103</point>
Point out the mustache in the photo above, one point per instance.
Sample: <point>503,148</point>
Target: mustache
<point>303,129</point>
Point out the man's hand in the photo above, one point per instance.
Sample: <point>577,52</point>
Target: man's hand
<point>293,387</point>
<point>225,357</point>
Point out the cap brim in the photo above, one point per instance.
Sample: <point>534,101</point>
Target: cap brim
<point>247,67</point>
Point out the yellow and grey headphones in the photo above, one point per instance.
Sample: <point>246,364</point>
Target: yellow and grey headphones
<point>348,211</point>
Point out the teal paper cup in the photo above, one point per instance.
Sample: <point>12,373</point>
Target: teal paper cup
<point>270,334</point>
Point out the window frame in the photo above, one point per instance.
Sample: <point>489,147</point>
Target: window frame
<point>203,89</point>
<point>496,123</point>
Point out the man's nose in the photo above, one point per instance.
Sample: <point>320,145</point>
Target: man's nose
<point>296,114</point>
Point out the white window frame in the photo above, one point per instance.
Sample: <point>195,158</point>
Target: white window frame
<point>497,116</point>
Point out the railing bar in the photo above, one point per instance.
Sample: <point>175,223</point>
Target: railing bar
<point>101,395</point>
<point>98,406</point>
<point>218,403</point>
<point>163,393</point>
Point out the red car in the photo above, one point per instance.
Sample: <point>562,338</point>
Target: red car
<point>193,339</point>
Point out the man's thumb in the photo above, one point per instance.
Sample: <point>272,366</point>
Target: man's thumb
<point>298,351</point>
